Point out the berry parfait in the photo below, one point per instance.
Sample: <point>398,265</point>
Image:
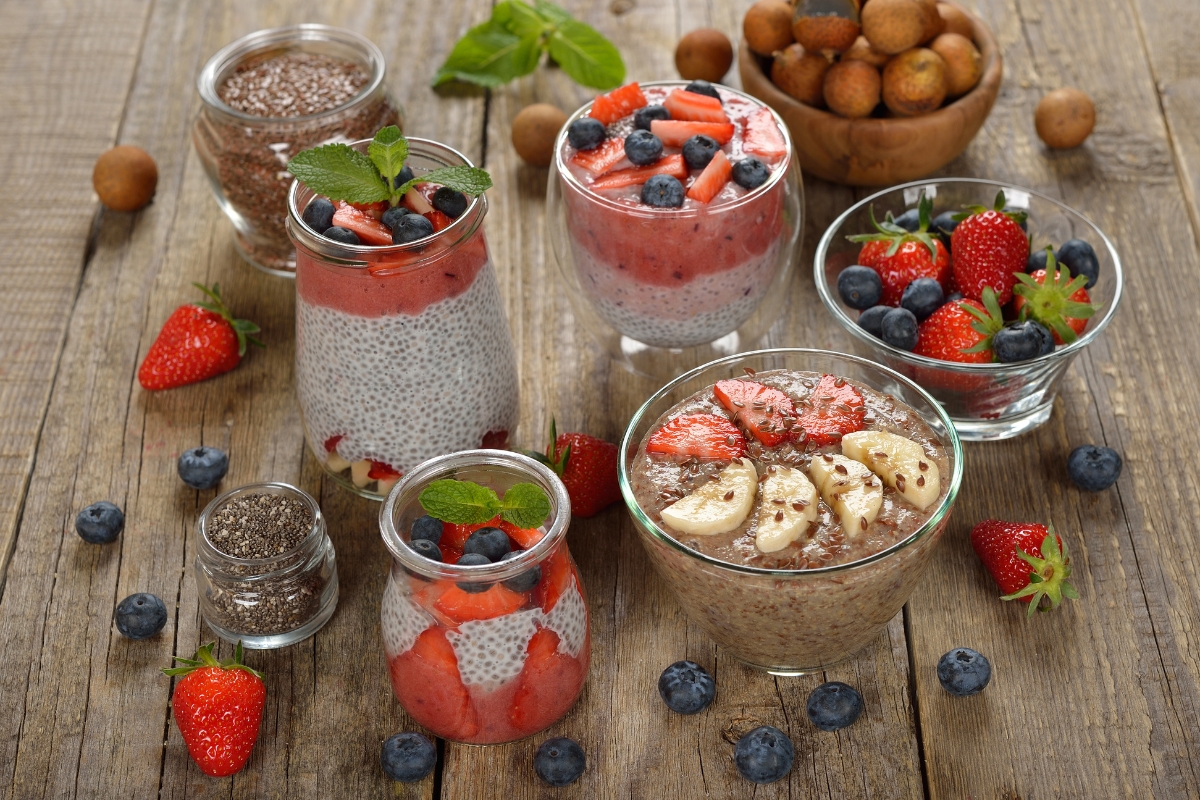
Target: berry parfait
<point>485,625</point>
<point>403,350</point>
<point>677,217</point>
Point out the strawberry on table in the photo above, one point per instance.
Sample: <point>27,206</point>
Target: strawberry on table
<point>712,180</point>
<point>685,105</point>
<point>218,707</point>
<point>617,104</point>
<point>1027,560</point>
<point>767,413</point>
<point>1061,304</point>
<point>198,341</point>
<point>989,249</point>
<point>901,256</point>
<point>701,435</point>
<point>588,468</point>
<point>837,409</point>
<point>674,132</point>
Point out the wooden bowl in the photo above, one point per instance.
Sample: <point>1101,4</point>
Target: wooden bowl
<point>880,151</point>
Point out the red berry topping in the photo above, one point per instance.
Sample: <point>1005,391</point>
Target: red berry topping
<point>765,412</point>
<point>694,107</point>
<point>667,165</point>
<point>617,104</point>
<point>674,133</point>
<point>699,435</point>
<point>712,180</point>
<point>837,409</point>
<point>990,249</point>
<point>763,137</point>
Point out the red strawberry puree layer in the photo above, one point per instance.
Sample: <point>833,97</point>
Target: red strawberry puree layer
<point>676,278</point>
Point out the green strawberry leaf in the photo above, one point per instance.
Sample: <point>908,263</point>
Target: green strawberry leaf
<point>459,502</point>
<point>388,151</point>
<point>525,505</point>
<point>586,56</point>
<point>340,173</point>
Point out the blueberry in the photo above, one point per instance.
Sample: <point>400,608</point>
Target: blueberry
<point>450,202</point>
<point>100,523</point>
<point>1010,210</point>
<point>750,173</point>
<point>1022,341</point>
<point>647,114</point>
<point>663,191</point>
<point>473,560</point>
<point>944,224</point>
<point>699,150</point>
<point>703,87</point>
<point>586,133</point>
<point>341,235</point>
<point>764,755</point>
<point>393,215</point>
<point>922,297</point>
<point>491,543</point>
<point>955,297</point>
<point>318,214</point>
<point>559,761</point>
<point>643,148</point>
<point>834,705</point>
<point>1080,259</point>
<point>406,175</point>
<point>899,328</point>
<point>410,228</point>
<point>426,548</point>
<point>860,287</point>
<point>202,467</point>
<point>526,580</point>
<point>1094,468</point>
<point>407,757</point>
<point>686,687</point>
<point>1036,261</point>
<point>871,320</point>
<point>963,672</point>
<point>140,616</point>
<point>910,220</point>
<point>426,527</point>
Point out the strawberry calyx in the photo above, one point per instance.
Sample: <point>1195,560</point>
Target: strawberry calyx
<point>890,231</point>
<point>1048,577</point>
<point>553,458</point>
<point>243,328</point>
<point>204,658</point>
<point>987,322</point>
<point>998,206</point>
<point>1050,303</point>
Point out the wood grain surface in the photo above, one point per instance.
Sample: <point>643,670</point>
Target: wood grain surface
<point>1099,699</point>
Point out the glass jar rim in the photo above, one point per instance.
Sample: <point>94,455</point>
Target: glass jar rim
<point>252,43</point>
<point>315,534</point>
<point>777,175</point>
<point>642,519</point>
<point>441,466</point>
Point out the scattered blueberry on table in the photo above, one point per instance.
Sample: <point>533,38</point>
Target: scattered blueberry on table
<point>100,523</point>
<point>407,757</point>
<point>203,467</point>
<point>764,755</point>
<point>833,706</point>
<point>140,616</point>
<point>964,672</point>
<point>686,687</point>
<point>559,761</point>
<point>1094,468</point>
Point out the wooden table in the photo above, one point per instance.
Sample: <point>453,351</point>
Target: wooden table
<point>1099,699</point>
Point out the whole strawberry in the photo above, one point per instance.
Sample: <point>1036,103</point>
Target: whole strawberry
<point>1061,304</point>
<point>1026,559</point>
<point>588,468</point>
<point>198,341</point>
<point>961,331</point>
<point>218,708</point>
<point>901,256</point>
<point>989,249</point>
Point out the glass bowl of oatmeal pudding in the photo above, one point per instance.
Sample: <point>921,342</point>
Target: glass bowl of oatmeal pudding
<point>791,499</point>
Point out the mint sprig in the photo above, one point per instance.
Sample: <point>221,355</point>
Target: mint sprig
<point>342,173</point>
<point>511,43</point>
<point>466,503</point>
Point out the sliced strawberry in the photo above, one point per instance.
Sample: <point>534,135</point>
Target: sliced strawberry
<point>686,105</point>
<point>603,158</point>
<point>713,179</point>
<point>463,606</point>
<point>674,132</point>
<point>556,579</point>
<point>380,470</point>
<point>440,221</point>
<point>427,683</point>
<point>523,538</point>
<point>763,137</point>
<point>618,104</point>
<point>455,536</point>
<point>372,210</point>
<point>332,442</point>
<point>370,231</point>
<point>415,201</point>
<point>550,682</point>
<point>667,165</point>
<point>837,409</point>
<point>699,435</point>
<point>765,412</point>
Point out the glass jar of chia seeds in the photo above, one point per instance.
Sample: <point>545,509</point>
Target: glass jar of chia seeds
<point>268,96</point>
<point>265,566</point>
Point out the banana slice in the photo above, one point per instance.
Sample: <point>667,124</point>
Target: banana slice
<point>789,506</point>
<point>358,473</point>
<point>850,489</point>
<point>719,505</point>
<point>336,463</point>
<point>899,461</point>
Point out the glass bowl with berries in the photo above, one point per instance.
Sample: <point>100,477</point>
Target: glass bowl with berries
<point>980,291</point>
<point>484,618</point>
<point>791,499</point>
<point>676,214</point>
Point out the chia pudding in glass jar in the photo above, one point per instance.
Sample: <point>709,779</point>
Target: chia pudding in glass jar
<point>267,97</point>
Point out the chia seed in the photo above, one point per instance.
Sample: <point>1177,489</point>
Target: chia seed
<point>292,85</point>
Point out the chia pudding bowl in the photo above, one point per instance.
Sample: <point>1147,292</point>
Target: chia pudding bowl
<point>825,590</point>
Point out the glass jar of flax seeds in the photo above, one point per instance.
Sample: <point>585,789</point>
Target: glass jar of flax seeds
<point>268,96</point>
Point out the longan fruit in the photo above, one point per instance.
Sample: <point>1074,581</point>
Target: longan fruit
<point>914,82</point>
<point>964,64</point>
<point>893,26</point>
<point>852,89</point>
<point>861,50</point>
<point>704,54</point>
<point>956,20</point>
<point>125,178</point>
<point>801,74</point>
<point>534,130</point>
<point>824,32</point>
<point>934,24</point>
<point>1065,117</point>
<point>767,26</point>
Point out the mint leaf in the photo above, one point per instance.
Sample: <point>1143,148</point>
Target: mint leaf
<point>519,18</point>
<point>340,173</point>
<point>525,505</point>
<point>387,151</point>
<point>585,55</point>
<point>459,502</point>
<point>552,12</point>
<point>471,181</point>
<point>490,55</point>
